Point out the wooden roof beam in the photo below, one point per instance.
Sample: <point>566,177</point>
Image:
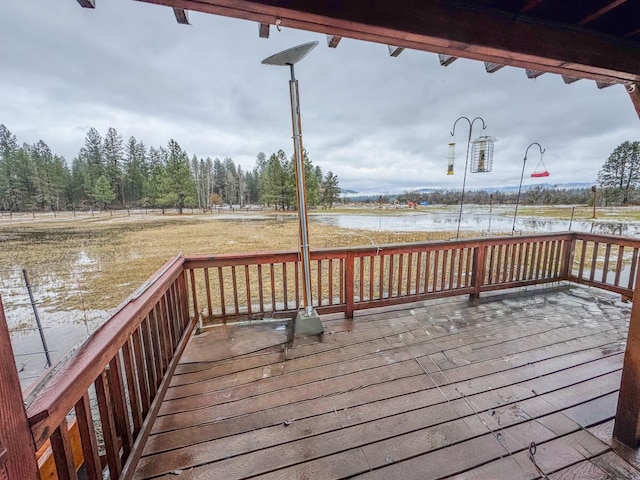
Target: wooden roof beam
<point>181,16</point>
<point>333,40</point>
<point>395,51</point>
<point>263,30</point>
<point>601,11</point>
<point>439,26</point>
<point>492,67</point>
<point>446,60</point>
<point>530,5</point>
<point>602,85</point>
<point>87,3</point>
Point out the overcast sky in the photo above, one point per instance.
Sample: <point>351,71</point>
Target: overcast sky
<point>380,123</point>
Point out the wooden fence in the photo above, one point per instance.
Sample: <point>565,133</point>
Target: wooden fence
<point>113,386</point>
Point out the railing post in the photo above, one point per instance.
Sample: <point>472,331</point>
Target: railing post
<point>477,275</point>
<point>567,261</point>
<point>349,283</point>
<point>15,434</point>
<point>627,423</point>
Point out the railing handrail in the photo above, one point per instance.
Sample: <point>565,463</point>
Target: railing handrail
<point>230,259</point>
<point>53,403</point>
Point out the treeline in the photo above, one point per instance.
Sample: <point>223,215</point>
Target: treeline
<point>536,195</point>
<point>109,172</point>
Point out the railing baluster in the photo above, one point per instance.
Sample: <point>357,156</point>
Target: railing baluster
<point>234,282</point>
<point>427,267</point>
<point>491,264</point>
<point>527,262</point>
<point>273,288</point>
<point>594,260</point>
<point>247,284</point>
<point>560,244</point>
<point>409,271</point>
<point>452,266</point>
<point>461,253</point>
<point>194,297</point>
<point>512,267</point>
<point>605,268</point>
<point>146,356</point>
<point>634,264</point>
<point>419,271</point>
<point>121,413</point>
<point>92,465</point>
<point>108,426</point>
<point>371,271</point>
<point>342,274</point>
<point>297,289</point>
<point>361,278</point>
<point>539,257</point>
<point>223,307</point>
<point>62,454</point>
<point>132,387</point>
<point>583,256</point>
<point>548,254</point>
<point>436,269</point>
<point>349,287</point>
<point>381,276</point>
<point>260,288</point>
<point>400,276</point>
<point>443,270</point>
<point>330,281</point>
<point>158,345</point>
<point>467,268</point>
<point>320,283</point>
<point>285,287</point>
<point>207,285</point>
<point>616,281</point>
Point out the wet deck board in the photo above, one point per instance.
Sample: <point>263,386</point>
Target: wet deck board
<point>446,389</point>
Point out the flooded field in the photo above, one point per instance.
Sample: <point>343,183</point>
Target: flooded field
<point>82,267</point>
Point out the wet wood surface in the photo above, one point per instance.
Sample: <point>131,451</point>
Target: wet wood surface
<point>440,389</point>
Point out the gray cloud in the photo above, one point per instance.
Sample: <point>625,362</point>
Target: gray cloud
<point>382,124</point>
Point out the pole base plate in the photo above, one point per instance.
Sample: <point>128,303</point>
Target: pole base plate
<point>307,325</point>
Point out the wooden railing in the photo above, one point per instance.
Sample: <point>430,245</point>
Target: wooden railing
<point>239,287</point>
<point>114,384</point>
<point>110,391</point>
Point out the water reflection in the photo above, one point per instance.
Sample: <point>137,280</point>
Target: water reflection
<point>473,222</point>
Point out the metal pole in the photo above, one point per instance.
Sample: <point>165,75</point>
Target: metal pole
<point>466,162</point>
<point>35,314</point>
<point>302,205</point>
<point>515,213</point>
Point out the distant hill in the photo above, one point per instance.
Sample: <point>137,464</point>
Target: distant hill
<point>514,188</point>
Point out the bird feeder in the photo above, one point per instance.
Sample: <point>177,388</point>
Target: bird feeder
<point>452,156</point>
<point>482,154</point>
<point>541,170</point>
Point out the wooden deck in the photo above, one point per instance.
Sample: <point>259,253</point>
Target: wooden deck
<point>440,389</point>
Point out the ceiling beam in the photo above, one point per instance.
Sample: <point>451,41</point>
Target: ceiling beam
<point>395,51</point>
<point>437,26</point>
<point>263,30</point>
<point>181,16</point>
<point>601,11</point>
<point>530,5</point>
<point>602,85</point>
<point>87,3</point>
<point>333,40</point>
<point>492,67</point>
<point>446,60</point>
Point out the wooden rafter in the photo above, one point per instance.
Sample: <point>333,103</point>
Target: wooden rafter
<point>181,16</point>
<point>333,40</point>
<point>263,30</point>
<point>395,51</point>
<point>492,67</point>
<point>446,60</point>
<point>436,26</point>
<point>601,11</point>
<point>87,3</point>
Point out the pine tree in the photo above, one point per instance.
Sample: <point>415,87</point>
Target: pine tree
<point>102,192</point>
<point>620,174</point>
<point>181,186</point>
<point>112,151</point>
<point>330,190</point>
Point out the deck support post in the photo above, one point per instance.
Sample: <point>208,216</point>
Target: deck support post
<point>627,423</point>
<point>634,93</point>
<point>477,275</point>
<point>15,433</point>
<point>349,283</point>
